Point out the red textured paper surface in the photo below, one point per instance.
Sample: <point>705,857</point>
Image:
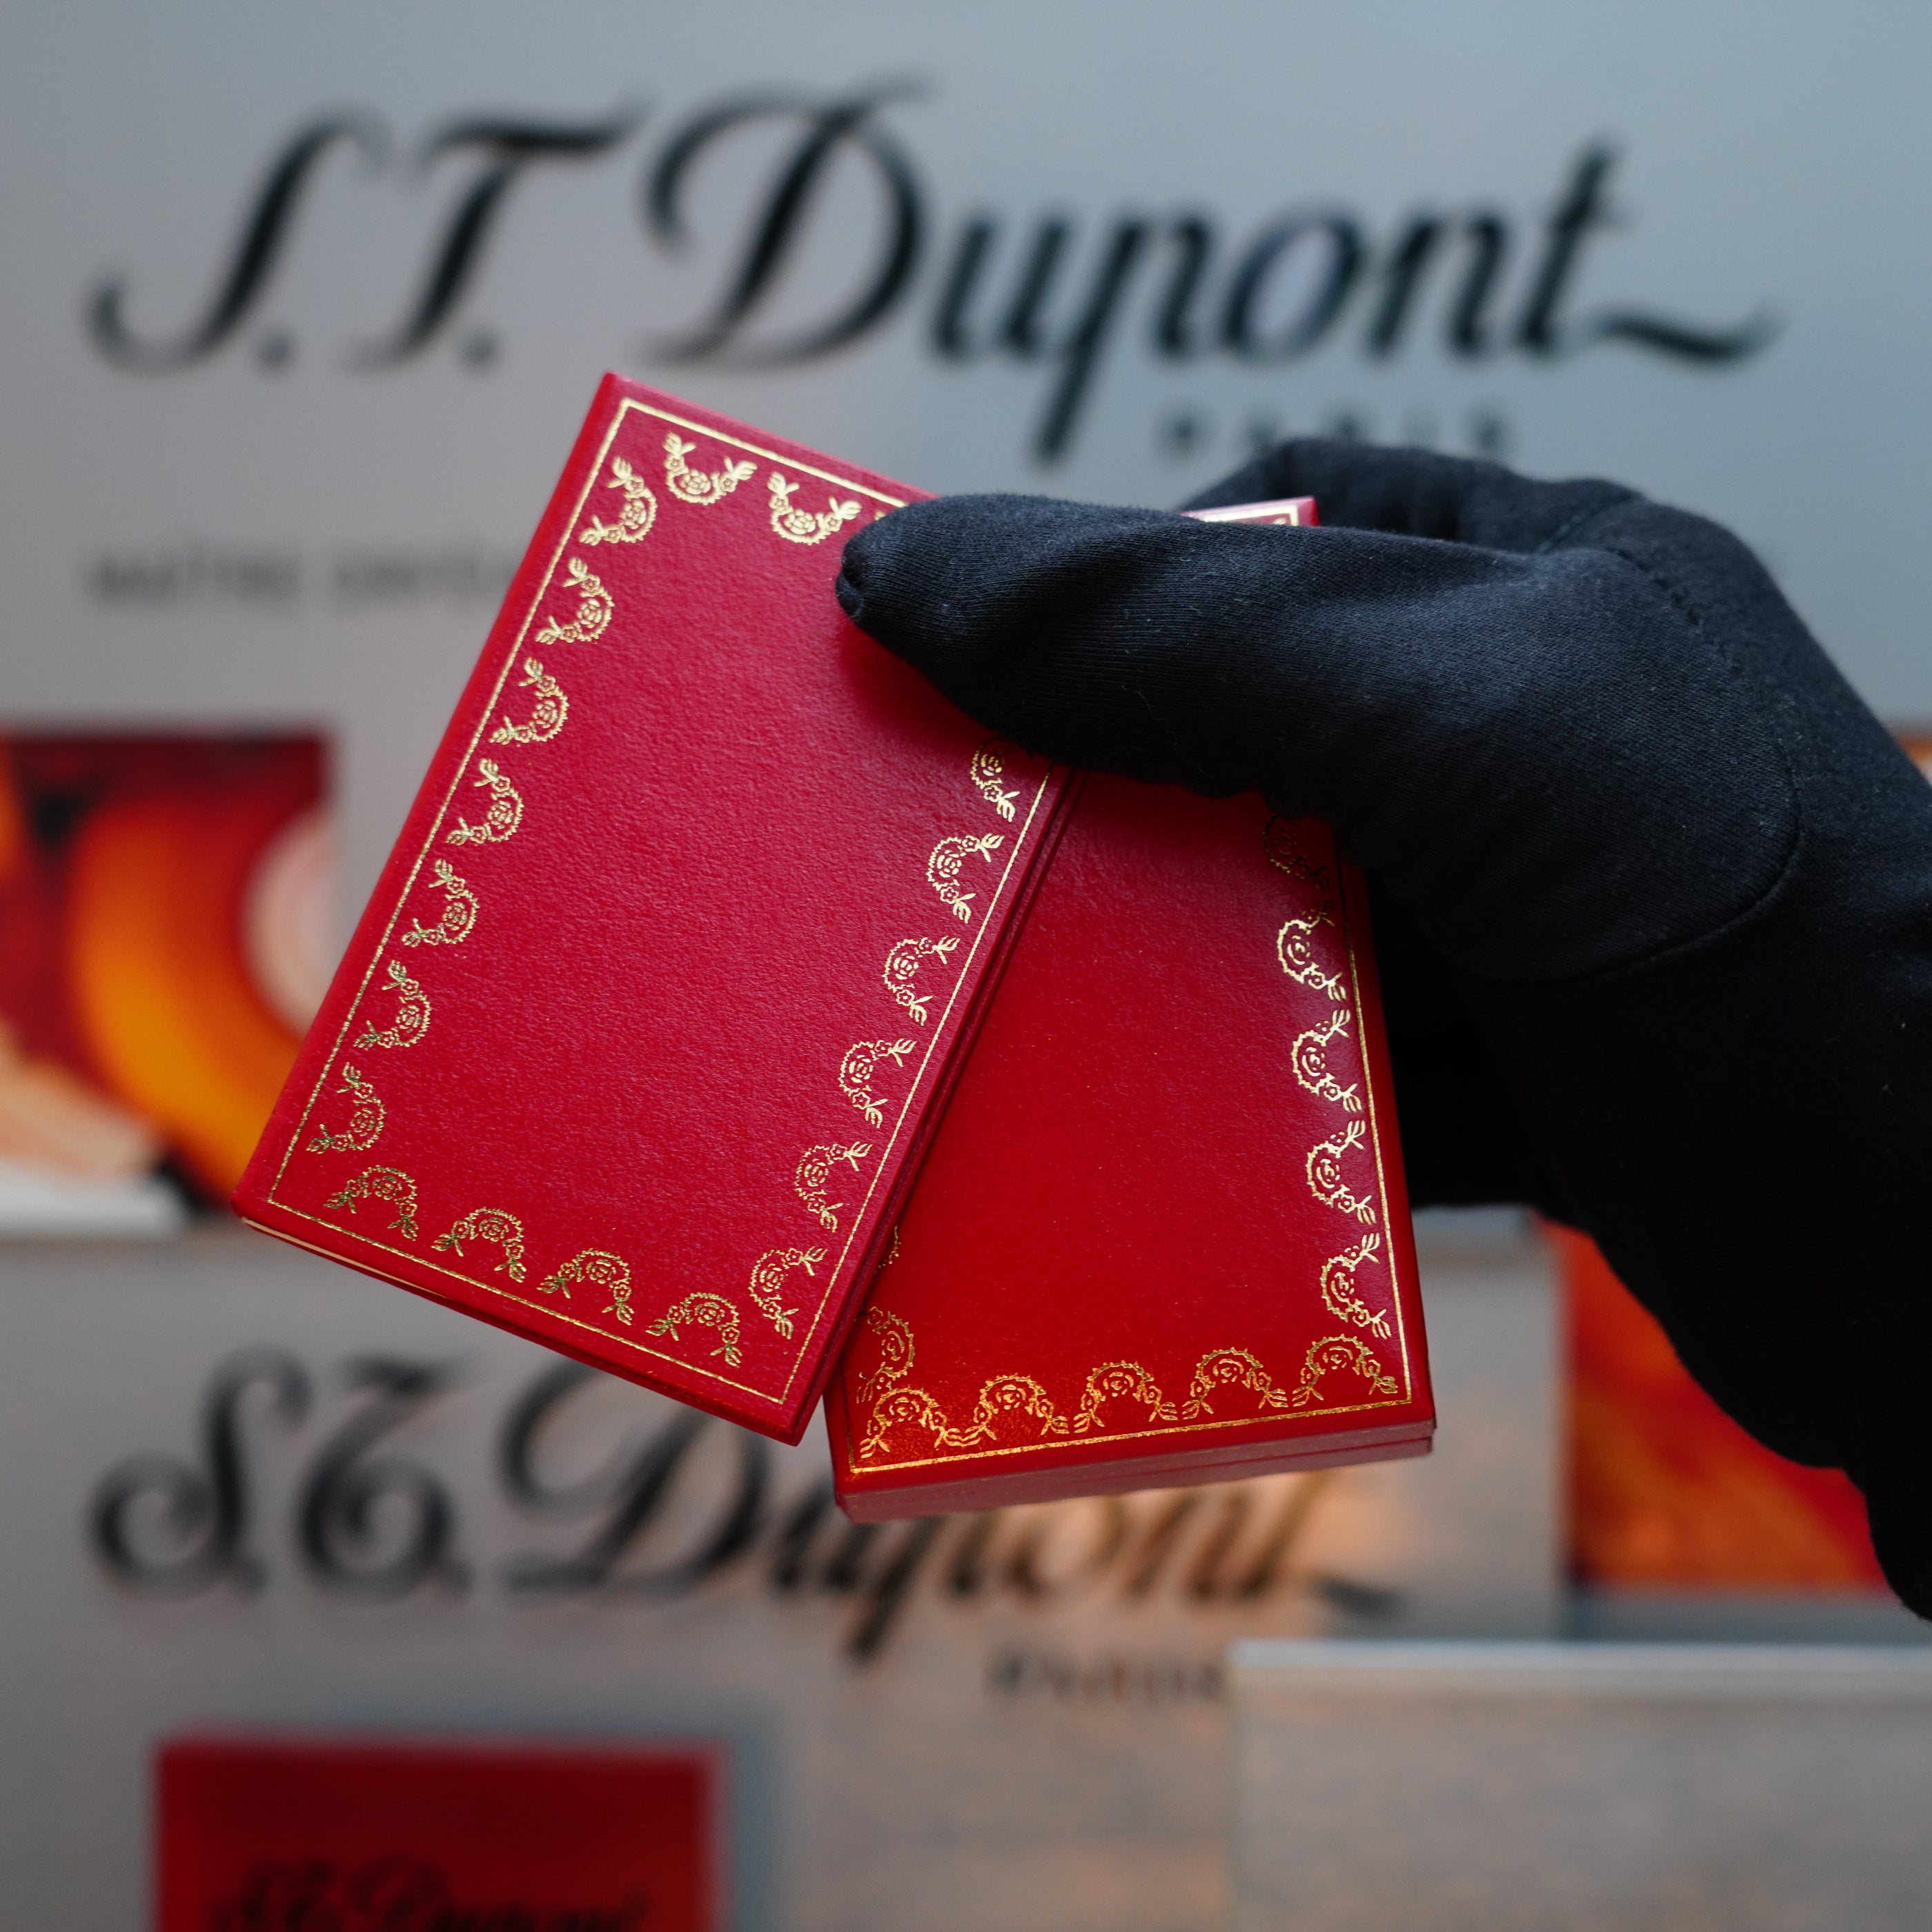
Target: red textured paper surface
<point>673,1078</point>
<point>1161,1234</point>
<point>283,1834</point>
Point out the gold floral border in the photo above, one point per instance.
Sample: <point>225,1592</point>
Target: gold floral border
<point>595,606</point>
<point>887,1387</point>
<point>897,1402</point>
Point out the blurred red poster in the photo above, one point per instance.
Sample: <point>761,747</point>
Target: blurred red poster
<point>286,1836</point>
<point>1666,1493</point>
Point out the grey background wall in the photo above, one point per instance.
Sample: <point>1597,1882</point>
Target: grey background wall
<point>1701,225</point>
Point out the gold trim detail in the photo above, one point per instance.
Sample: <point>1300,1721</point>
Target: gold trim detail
<point>1285,855</point>
<point>1311,1063</point>
<point>594,606</point>
<point>895,1343</point>
<point>999,1395</point>
<point>1338,1287</point>
<point>1325,1180</point>
<point>569,581</point>
<point>1230,1368</point>
<point>489,1224</point>
<point>698,486</point>
<point>600,1269</point>
<point>365,1119</point>
<point>381,1183</point>
<point>856,1071</point>
<point>903,962</point>
<point>894,1401</point>
<point>634,520</point>
<point>942,869</point>
<point>1340,1352</point>
<point>704,1311</point>
<point>411,1020</point>
<point>459,911</point>
<point>766,1287</point>
<point>814,1171</point>
<point>805,526</point>
<point>501,820</point>
<point>985,769</point>
<point>547,715</point>
<point>1294,947</point>
<point>1120,1381</point>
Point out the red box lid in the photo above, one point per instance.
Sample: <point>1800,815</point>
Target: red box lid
<point>637,1045</point>
<point>1161,1235</point>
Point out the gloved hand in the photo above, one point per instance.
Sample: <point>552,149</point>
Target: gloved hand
<point>1656,911</point>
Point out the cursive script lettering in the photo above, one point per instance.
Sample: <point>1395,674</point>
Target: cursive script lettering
<point>1051,290</point>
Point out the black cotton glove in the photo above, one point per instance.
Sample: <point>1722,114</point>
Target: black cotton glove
<point>1657,915</point>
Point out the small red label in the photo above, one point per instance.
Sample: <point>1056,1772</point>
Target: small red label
<point>284,1836</point>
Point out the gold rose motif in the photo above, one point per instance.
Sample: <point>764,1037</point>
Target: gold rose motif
<point>1285,855</point>
<point>602,1269</point>
<point>815,1172</point>
<point>493,1224</point>
<point>1325,1180</point>
<point>1230,1368</point>
<point>999,1395</point>
<point>1310,1059</point>
<point>459,912</point>
<point>1340,1352</point>
<point>856,1070</point>
<point>504,814</point>
<point>634,520</point>
<point>1294,947</point>
<point>942,869</point>
<point>547,715</point>
<point>381,1183</point>
<point>365,1119</point>
<point>1120,1381</point>
<point>767,1283</point>
<point>904,961</point>
<point>986,769</point>
<point>593,606</point>
<point>698,486</point>
<point>806,527</point>
<point>411,1020</point>
<point>1338,1287</point>
<point>703,1311</point>
<point>895,1350</point>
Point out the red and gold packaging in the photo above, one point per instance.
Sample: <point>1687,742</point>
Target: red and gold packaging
<point>637,1046</point>
<point>1161,1235</point>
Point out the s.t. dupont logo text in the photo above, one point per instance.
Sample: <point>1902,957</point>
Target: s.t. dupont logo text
<point>326,1482</point>
<point>819,233</point>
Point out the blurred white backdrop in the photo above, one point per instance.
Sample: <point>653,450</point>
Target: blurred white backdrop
<point>1673,246</point>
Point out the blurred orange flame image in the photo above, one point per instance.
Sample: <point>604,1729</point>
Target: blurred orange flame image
<point>165,931</point>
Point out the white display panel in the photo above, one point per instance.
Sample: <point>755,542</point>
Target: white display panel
<point>1500,1787</point>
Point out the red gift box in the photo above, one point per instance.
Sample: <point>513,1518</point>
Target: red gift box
<point>1161,1235</point>
<point>276,1835</point>
<point>635,1049</point>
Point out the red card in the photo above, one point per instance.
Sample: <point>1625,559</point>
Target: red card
<point>278,1835</point>
<point>637,1046</point>
<point>1162,1236</point>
